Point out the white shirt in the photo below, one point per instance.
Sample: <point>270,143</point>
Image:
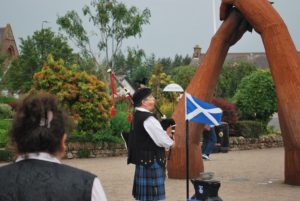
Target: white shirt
<point>97,190</point>
<point>155,131</point>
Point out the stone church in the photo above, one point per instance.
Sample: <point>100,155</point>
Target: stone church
<point>8,46</point>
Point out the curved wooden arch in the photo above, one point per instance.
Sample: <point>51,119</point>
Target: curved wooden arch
<point>285,68</point>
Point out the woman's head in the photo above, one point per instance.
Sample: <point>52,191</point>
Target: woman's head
<point>39,125</point>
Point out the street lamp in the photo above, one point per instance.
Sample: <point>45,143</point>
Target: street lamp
<point>44,21</point>
<point>43,35</point>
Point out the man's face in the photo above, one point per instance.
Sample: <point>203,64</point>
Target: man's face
<point>149,102</point>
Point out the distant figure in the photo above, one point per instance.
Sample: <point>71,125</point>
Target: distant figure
<point>39,133</point>
<point>209,141</point>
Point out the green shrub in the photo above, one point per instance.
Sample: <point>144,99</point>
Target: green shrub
<point>5,111</point>
<point>103,135</point>
<point>111,133</point>
<point>158,80</point>
<point>5,155</point>
<point>5,124</point>
<point>272,130</point>
<point>3,137</point>
<point>255,97</point>
<point>106,135</point>
<point>183,75</point>
<point>167,108</point>
<point>78,136</point>
<point>231,75</point>
<point>119,123</point>
<point>4,127</point>
<point>250,129</point>
<point>7,99</point>
<point>82,94</point>
<point>83,153</point>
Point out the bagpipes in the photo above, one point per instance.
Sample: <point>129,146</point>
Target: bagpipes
<point>165,122</point>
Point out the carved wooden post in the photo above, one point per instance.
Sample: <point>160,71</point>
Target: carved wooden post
<point>285,67</point>
<point>202,86</point>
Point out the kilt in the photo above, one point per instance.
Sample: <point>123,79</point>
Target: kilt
<point>149,183</point>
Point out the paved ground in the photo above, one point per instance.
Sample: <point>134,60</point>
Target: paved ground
<point>254,175</point>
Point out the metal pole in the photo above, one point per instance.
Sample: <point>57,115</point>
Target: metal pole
<point>187,158</point>
<point>45,21</point>
<point>43,35</point>
<point>214,15</point>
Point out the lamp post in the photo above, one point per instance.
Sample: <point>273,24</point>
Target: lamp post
<point>173,88</point>
<point>44,21</point>
<point>43,35</point>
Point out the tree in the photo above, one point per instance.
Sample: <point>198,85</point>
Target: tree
<point>128,64</point>
<point>255,96</point>
<point>158,80</point>
<point>33,53</point>
<point>178,60</point>
<point>150,62</point>
<point>183,75</point>
<point>186,60</point>
<point>231,76</point>
<point>166,64</point>
<point>2,59</point>
<point>140,74</point>
<point>114,22</point>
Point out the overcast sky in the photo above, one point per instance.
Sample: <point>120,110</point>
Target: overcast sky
<point>176,26</point>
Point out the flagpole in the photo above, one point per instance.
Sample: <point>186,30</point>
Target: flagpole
<point>186,146</point>
<point>214,16</point>
<point>187,157</point>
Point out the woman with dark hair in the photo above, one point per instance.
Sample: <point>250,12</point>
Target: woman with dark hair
<point>39,133</point>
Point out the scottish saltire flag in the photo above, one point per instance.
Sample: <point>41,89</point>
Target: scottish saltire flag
<point>201,112</point>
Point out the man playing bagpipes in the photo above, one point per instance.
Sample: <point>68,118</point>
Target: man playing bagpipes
<point>146,148</point>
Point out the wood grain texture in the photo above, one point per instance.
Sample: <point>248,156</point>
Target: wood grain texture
<point>285,68</point>
<point>202,86</point>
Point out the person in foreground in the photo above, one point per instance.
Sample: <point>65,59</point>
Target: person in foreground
<point>39,133</point>
<point>148,143</point>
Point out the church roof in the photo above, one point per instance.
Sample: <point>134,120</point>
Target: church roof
<point>257,58</point>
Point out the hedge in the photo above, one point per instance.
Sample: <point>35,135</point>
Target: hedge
<point>250,129</point>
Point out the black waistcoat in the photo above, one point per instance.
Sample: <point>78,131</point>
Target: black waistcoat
<point>142,149</point>
<point>36,180</point>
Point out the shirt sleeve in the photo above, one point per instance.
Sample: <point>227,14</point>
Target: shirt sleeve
<point>97,191</point>
<point>156,132</point>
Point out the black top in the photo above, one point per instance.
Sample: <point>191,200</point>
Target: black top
<point>142,149</point>
<point>37,180</point>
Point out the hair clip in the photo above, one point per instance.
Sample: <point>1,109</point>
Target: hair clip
<point>43,121</point>
<point>48,120</point>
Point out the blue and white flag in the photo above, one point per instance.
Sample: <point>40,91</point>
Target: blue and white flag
<point>201,112</point>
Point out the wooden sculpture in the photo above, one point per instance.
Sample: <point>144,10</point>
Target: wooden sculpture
<point>202,86</point>
<point>285,68</point>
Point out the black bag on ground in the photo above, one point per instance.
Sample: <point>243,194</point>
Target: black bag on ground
<point>206,190</point>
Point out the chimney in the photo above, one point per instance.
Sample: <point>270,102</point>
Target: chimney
<point>197,51</point>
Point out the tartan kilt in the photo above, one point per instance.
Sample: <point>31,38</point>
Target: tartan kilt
<point>149,183</point>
